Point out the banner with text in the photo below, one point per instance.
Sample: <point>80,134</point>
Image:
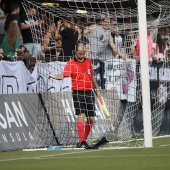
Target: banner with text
<point>121,75</point>
<point>18,118</point>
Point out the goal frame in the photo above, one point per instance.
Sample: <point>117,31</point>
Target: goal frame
<point>145,74</point>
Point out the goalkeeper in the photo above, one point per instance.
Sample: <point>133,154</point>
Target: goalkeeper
<point>83,80</point>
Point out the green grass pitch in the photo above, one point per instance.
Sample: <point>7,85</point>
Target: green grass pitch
<point>156,158</point>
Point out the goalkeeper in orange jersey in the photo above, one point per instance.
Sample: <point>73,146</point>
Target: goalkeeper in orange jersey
<point>80,70</point>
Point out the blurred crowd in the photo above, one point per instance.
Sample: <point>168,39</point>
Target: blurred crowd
<point>31,35</point>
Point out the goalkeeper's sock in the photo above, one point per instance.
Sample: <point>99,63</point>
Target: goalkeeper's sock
<point>80,131</point>
<point>88,128</point>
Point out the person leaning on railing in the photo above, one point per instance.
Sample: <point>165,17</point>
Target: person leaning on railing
<point>99,35</point>
<point>11,41</point>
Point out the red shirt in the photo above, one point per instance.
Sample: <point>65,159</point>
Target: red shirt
<point>150,46</point>
<point>81,74</point>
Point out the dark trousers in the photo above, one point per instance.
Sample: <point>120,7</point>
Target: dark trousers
<point>99,70</point>
<point>1,38</point>
<point>102,71</point>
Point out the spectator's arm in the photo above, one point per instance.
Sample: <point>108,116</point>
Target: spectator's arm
<point>115,50</point>
<point>132,50</point>
<point>27,26</point>
<point>21,39</point>
<point>17,45</point>
<point>3,16</point>
<point>19,50</point>
<point>46,43</point>
<point>113,47</point>
<point>94,81</point>
<point>57,32</point>
<point>1,51</point>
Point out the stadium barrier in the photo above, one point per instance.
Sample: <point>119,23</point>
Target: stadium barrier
<point>18,118</point>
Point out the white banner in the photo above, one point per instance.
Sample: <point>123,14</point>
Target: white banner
<point>15,78</point>
<point>121,76</point>
<point>53,85</point>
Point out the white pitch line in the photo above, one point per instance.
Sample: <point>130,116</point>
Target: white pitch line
<point>81,157</point>
<point>164,145</point>
<point>45,149</point>
<point>111,156</point>
<point>101,148</point>
<point>45,156</point>
<point>71,153</point>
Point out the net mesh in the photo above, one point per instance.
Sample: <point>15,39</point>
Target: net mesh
<point>122,92</point>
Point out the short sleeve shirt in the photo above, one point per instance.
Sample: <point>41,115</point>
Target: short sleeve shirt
<point>11,18</point>
<point>26,33</point>
<point>81,74</point>
<point>69,41</point>
<point>99,40</point>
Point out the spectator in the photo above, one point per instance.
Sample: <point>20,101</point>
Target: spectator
<point>14,16</point>
<point>150,46</point>
<point>11,42</point>
<point>2,12</point>
<point>167,51</point>
<point>82,39</point>
<point>113,22</point>
<point>68,36</point>
<point>2,22</point>
<point>160,41</point>
<point>3,7</point>
<point>165,35</point>
<point>49,43</point>
<point>27,22</point>
<point>43,25</point>
<point>130,43</point>
<point>118,40</point>
<point>100,37</point>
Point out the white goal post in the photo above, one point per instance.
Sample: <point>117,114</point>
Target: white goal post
<point>145,74</point>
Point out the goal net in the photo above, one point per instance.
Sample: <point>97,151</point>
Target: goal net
<point>116,67</point>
